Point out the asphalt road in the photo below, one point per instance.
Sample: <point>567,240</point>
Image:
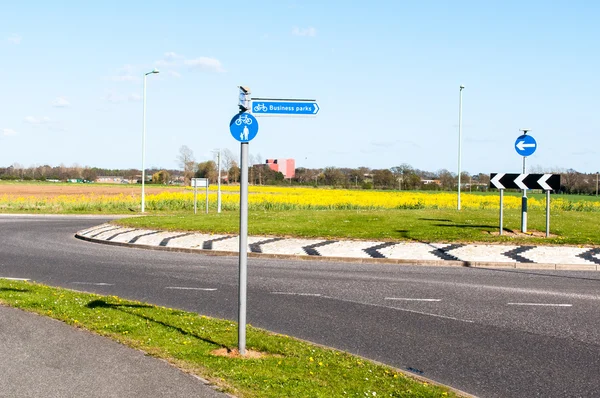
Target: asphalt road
<point>492,333</point>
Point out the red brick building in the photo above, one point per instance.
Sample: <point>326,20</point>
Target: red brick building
<point>287,167</point>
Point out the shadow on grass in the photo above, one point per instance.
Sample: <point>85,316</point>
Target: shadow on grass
<point>12,289</point>
<point>123,307</point>
<point>466,226</point>
<point>435,219</point>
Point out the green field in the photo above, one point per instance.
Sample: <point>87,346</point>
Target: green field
<point>427,225</point>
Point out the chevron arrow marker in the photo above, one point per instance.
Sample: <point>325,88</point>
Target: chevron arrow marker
<point>519,181</point>
<point>496,180</point>
<point>543,183</point>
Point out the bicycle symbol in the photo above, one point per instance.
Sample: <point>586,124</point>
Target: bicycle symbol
<point>260,108</point>
<point>243,119</point>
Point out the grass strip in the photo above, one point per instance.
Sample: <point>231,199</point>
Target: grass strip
<point>289,367</point>
<point>423,225</point>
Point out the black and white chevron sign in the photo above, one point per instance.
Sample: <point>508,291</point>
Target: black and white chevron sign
<point>547,182</point>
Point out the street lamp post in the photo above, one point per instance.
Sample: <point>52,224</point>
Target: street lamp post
<point>144,144</point>
<point>218,151</point>
<point>459,138</point>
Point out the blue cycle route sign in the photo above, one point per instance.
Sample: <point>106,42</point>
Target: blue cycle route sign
<point>270,107</point>
<point>525,145</point>
<point>243,127</point>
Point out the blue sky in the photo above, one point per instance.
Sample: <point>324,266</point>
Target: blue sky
<point>386,75</point>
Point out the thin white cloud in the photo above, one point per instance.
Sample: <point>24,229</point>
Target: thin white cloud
<point>174,73</point>
<point>61,102</point>
<point>8,132</point>
<point>14,39</point>
<point>116,98</point>
<point>134,97</point>
<point>123,78</point>
<point>205,63</point>
<point>35,121</point>
<point>309,32</point>
<point>171,59</point>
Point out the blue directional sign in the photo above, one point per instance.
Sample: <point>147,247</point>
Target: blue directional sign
<point>272,107</point>
<point>525,145</point>
<point>243,127</point>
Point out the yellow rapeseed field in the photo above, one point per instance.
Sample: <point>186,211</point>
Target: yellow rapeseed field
<point>279,198</point>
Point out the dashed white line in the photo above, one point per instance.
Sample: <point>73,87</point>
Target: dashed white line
<point>542,304</point>
<point>14,279</point>
<point>204,289</point>
<point>410,299</point>
<point>298,294</point>
<point>93,283</point>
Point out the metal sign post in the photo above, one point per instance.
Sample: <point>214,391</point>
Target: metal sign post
<point>199,182</point>
<point>243,128</point>
<point>195,198</point>
<point>525,145</point>
<point>547,213</point>
<point>207,198</point>
<point>243,248</point>
<point>501,211</point>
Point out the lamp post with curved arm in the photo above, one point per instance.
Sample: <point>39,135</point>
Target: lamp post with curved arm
<point>144,144</point>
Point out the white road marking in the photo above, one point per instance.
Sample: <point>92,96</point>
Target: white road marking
<point>93,283</point>
<point>410,299</point>
<point>298,294</point>
<point>204,289</point>
<point>401,309</point>
<point>14,279</point>
<point>542,304</point>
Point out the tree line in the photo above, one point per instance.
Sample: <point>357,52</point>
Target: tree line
<point>402,177</point>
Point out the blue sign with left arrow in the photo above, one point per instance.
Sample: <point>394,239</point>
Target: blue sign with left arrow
<point>269,107</point>
<point>243,127</point>
<point>525,145</point>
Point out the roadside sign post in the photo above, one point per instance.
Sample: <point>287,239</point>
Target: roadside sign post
<point>199,182</point>
<point>525,145</point>
<point>501,211</point>
<point>548,213</point>
<point>243,127</point>
<point>545,182</point>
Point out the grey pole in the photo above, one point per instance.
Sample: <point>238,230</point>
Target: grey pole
<point>195,196</point>
<point>524,205</point>
<point>501,210</point>
<point>596,184</point>
<point>219,183</point>
<point>243,248</point>
<point>459,139</point>
<point>547,213</point>
<point>144,144</point>
<point>144,150</point>
<point>207,196</point>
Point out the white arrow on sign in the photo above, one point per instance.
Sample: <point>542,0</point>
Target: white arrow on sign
<point>522,145</point>
<point>519,181</point>
<point>542,182</point>
<point>316,108</point>
<point>496,180</point>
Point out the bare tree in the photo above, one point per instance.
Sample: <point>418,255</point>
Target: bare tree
<point>187,163</point>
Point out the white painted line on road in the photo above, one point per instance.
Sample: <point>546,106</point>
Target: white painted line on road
<point>401,309</point>
<point>93,283</point>
<point>410,299</point>
<point>14,279</point>
<point>298,294</point>
<point>542,304</point>
<point>204,289</point>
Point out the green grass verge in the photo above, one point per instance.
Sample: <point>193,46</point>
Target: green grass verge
<point>290,368</point>
<point>428,225</point>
